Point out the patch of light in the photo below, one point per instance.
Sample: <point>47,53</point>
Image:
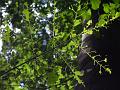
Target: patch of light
<point>44,42</point>
<point>56,10</point>
<point>22,84</point>
<point>4,14</point>
<point>35,12</point>
<point>45,5</point>
<point>54,56</point>
<point>17,30</point>
<point>9,2</point>
<point>2,27</point>
<point>11,26</point>
<point>13,50</point>
<point>43,20</point>
<point>47,29</point>
<point>49,15</point>
<point>22,21</point>
<point>40,33</point>
<point>3,9</point>
<point>51,4</point>
<point>33,4</point>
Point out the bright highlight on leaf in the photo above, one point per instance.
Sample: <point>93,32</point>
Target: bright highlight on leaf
<point>88,31</point>
<point>108,70</point>
<point>100,72</point>
<point>77,22</point>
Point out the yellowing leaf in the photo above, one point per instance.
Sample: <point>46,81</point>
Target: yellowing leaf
<point>105,60</point>
<point>108,70</point>
<point>100,72</point>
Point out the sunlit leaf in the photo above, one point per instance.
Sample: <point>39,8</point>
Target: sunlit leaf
<point>88,31</point>
<point>7,37</point>
<point>101,22</point>
<point>106,8</point>
<point>77,22</point>
<point>108,70</point>
<point>78,73</point>
<point>26,13</point>
<point>62,87</point>
<point>95,4</point>
<point>69,83</point>
<point>78,79</point>
<point>117,15</point>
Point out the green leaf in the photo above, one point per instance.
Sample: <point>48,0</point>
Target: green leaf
<point>27,68</point>
<point>117,15</point>
<point>26,4</point>
<point>78,79</point>
<point>65,37</point>
<point>7,34</point>
<point>116,1</point>
<point>88,31</point>
<point>77,22</point>
<point>95,4</point>
<point>69,83</point>
<point>100,72</point>
<point>62,87</point>
<point>86,14</point>
<point>16,4</point>
<point>108,70</point>
<point>105,60</point>
<point>101,22</point>
<point>52,78</point>
<point>78,73</point>
<point>106,8</point>
<point>26,13</point>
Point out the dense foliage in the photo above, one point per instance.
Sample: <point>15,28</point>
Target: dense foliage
<point>41,39</point>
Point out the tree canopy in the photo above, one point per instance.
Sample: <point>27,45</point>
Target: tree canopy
<point>41,38</point>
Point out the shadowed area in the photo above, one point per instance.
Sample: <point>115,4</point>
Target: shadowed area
<point>107,45</point>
